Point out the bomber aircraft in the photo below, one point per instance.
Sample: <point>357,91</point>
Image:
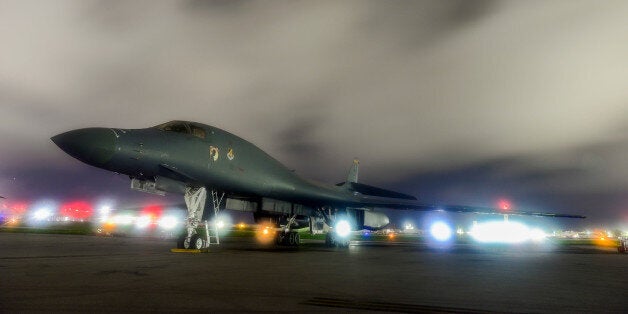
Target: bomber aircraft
<point>192,158</point>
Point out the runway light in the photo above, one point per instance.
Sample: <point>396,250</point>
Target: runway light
<point>167,222</point>
<point>265,233</point>
<point>222,223</point>
<point>537,235</point>
<point>143,221</point>
<point>123,219</point>
<point>343,228</point>
<point>505,232</point>
<point>42,214</point>
<point>440,231</point>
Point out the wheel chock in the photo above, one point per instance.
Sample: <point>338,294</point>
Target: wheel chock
<point>189,250</point>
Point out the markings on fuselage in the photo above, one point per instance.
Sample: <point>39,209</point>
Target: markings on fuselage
<point>230,154</point>
<point>213,153</point>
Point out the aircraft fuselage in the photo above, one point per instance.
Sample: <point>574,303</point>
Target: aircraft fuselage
<point>210,157</point>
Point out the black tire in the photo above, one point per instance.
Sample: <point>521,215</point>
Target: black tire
<point>329,241</point>
<point>187,243</point>
<point>196,242</point>
<point>291,238</point>
<point>297,239</point>
<point>342,244</point>
<point>280,239</point>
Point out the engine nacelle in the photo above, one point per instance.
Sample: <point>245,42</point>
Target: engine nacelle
<point>375,220</point>
<point>277,219</point>
<point>370,220</point>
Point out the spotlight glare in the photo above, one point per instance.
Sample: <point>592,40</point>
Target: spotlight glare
<point>168,222</point>
<point>506,232</point>
<point>143,221</point>
<point>343,228</point>
<point>42,214</point>
<point>440,231</point>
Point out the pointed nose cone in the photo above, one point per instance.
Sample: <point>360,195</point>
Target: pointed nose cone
<point>94,146</point>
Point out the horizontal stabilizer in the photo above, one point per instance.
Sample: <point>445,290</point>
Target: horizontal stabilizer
<point>374,191</point>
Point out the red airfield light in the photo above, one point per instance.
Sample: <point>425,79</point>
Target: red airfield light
<point>76,210</point>
<point>504,205</point>
<point>152,211</point>
<point>18,208</point>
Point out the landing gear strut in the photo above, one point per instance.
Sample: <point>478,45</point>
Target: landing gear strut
<point>195,198</point>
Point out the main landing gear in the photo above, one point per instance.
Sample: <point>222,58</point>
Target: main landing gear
<point>195,198</point>
<point>291,238</point>
<point>339,233</point>
<point>287,237</point>
<point>622,246</point>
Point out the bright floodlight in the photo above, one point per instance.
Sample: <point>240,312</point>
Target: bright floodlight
<point>42,214</point>
<point>143,221</point>
<point>220,224</point>
<point>104,210</point>
<point>537,235</point>
<point>440,231</point>
<point>167,222</point>
<point>505,232</point>
<point>123,219</point>
<point>343,228</point>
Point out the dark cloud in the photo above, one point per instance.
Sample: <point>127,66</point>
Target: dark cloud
<point>460,100</point>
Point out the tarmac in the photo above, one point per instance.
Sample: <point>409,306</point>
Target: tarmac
<point>75,273</point>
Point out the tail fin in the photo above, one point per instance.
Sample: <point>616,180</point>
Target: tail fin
<point>353,171</point>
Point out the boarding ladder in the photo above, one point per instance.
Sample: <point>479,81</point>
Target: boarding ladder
<point>212,232</point>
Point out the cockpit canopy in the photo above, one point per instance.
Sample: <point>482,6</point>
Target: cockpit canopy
<point>183,127</point>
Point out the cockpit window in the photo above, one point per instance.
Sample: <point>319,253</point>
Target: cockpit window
<point>183,127</point>
<point>174,126</point>
<point>197,131</point>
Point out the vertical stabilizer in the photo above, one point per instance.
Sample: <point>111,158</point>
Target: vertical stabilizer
<point>353,172</point>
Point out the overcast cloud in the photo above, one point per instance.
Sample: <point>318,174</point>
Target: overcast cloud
<point>454,101</point>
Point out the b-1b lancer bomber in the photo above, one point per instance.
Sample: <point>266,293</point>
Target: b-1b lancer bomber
<point>192,158</point>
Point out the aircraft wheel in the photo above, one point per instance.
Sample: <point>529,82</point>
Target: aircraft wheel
<point>187,243</point>
<point>329,240</point>
<point>291,238</point>
<point>196,242</point>
<point>342,243</point>
<point>297,239</point>
<point>279,238</point>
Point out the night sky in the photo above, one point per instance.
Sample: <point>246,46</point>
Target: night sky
<point>458,102</point>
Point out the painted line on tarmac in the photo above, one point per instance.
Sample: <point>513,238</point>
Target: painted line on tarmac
<point>386,306</point>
